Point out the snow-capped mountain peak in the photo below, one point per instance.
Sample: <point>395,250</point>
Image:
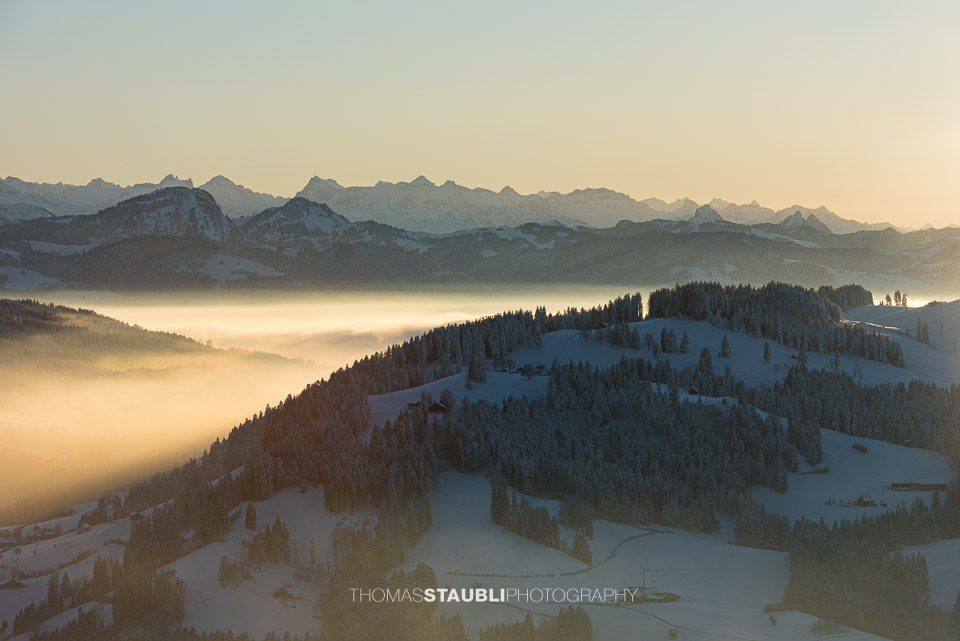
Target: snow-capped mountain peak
<point>236,200</point>
<point>174,181</point>
<point>171,211</point>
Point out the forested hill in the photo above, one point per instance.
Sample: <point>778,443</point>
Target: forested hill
<point>639,442</point>
<point>20,318</point>
<point>30,329</point>
<point>805,319</point>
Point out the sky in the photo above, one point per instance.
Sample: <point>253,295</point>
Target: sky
<point>854,105</point>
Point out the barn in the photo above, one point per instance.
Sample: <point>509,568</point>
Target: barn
<point>921,484</point>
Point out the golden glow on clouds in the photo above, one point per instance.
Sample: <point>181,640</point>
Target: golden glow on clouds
<point>852,105</point>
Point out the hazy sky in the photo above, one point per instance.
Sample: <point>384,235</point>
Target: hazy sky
<point>854,105</point>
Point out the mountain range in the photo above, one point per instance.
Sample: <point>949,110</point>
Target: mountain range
<point>20,199</point>
<point>179,237</point>
<point>418,205</point>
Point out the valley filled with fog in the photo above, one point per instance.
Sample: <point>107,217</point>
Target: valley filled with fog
<point>91,411</point>
<point>329,329</point>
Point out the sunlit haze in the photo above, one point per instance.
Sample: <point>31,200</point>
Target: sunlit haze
<point>851,105</point>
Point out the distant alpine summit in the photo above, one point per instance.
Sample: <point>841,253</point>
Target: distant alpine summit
<point>796,221</point>
<point>418,205</point>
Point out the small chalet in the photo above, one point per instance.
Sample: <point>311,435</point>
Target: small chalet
<point>433,407</point>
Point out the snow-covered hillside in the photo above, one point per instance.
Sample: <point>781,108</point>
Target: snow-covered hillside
<point>19,212</point>
<point>943,565</point>
<point>943,320</point>
<point>698,585</point>
<point>250,607</point>
<point>721,589</point>
<point>852,474</point>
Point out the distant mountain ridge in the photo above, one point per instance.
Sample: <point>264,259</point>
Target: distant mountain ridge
<point>171,211</point>
<point>418,205</point>
<point>178,237</point>
<point>68,200</point>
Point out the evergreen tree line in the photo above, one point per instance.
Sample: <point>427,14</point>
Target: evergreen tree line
<point>846,296</point>
<point>803,319</point>
<point>137,594</point>
<point>536,523</point>
<point>154,599</point>
<point>571,624</point>
<point>621,448</point>
<point>916,414</point>
<point>520,517</point>
<point>852,571</point>
<point>106,508</point>
<point>273,545</point>
<point>445,350</point>
<point>923,331</point>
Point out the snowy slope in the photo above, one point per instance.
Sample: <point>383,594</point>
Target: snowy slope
<point>20,279</point>
<point>50,553</point>
<point>942,319</point>
<point>250,607</point>
<point>722,588</point>
<point>223,267</point>
<point>853,475</point>
<point>943,567</point>
<point>35,589</point>
<point>18,212</point>
<point>747,360</point>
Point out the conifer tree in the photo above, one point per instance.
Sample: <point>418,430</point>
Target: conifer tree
<point>724,348</point>
<point>580,549</point>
